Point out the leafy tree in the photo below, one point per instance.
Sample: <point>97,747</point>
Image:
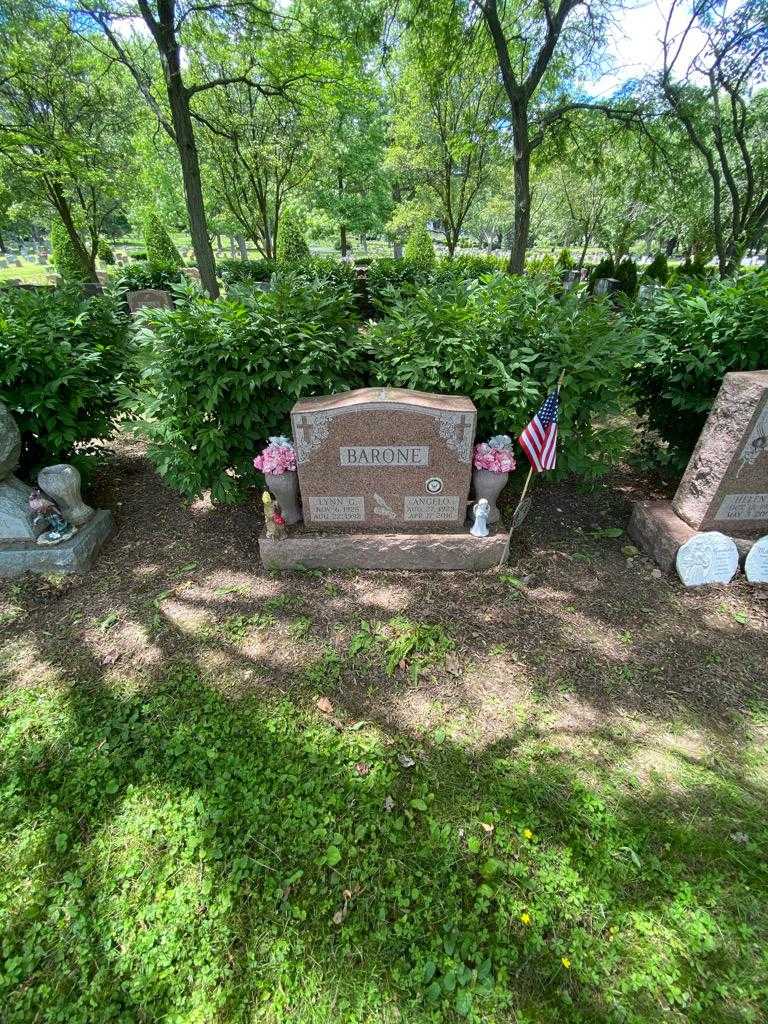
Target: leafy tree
<point>65,123</point>
<point>538,46</point>
<point>723,120</point>
<point>447,110</point>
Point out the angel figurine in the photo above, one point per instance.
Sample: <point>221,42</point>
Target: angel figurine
<point>48,524</point>
<point>480,511</point>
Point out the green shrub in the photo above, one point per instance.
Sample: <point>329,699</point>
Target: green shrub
<point>161,252</point>
<point>105,253</point>
<point>503,342</point>
<point>63,366</point>
<point>626,274</point>
<point>565,260</point>
<point>64,257</point>
<point>657,269</point>
<point>605,268</point>
<point>420,249</point>
<point>144,274</point>
<point>543,267</point>
<point>242,271</point>
<point>291,243</point>
<point>693,268</point>
<point>327,269</point>
<point>465,267</point>
<point>222,376</point>
<point>696,332</point>
<point>388,276</point>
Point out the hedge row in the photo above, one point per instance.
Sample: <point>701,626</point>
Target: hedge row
<point>219,377</point>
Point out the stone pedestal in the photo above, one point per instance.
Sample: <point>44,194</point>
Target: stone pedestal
<point>429,552</point>
<point>73,555</point>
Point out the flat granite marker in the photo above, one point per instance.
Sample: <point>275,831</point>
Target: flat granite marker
<point>384,459</point>
<point>725,486</point>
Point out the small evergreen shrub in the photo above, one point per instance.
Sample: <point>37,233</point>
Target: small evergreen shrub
<point>291,243</point>
<point>105,253</point>
<point>503,342</point>
<point>143,274</point>
<point>605,268</point>
<point>161,251</point>
<point>242,271</point>
<point>565,260</point>
<point>695,268</point>
<point>626,274</point>
<point>64,256</point>
<point>64,362</point>
<point>696,332</point>
<point>657,269</point>
<point>221,377</point>
<point>420,249</point>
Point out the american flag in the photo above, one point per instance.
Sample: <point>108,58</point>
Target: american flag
<point>539,439</point>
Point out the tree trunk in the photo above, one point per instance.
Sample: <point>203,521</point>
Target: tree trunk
<point>56,193</point>
<point>2,244</point>
<point>397,250</point>
<point>343,234</point>
<point>232,249</point>
<point>522,166</point>
<point>242,247</point>
<point>178,97</point>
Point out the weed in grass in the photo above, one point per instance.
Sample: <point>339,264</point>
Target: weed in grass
<point>299,628</point>
<point>409,646</point>
<point>237,627</point>
<point>324,672</point>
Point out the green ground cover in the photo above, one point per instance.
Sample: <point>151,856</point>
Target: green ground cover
<point>180,856</point>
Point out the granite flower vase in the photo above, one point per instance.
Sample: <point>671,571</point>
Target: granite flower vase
<point>489,485</point>
<point>285,487</point>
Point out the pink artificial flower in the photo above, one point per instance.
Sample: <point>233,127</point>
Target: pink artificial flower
<point>495,460</point>
<point>276,460</point>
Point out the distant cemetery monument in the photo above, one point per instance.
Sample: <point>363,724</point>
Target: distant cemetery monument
<point>725,487</point>
<point>384,476</point>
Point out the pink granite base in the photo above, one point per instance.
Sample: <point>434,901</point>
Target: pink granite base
<point>658,531</point>
<point>424,551</point>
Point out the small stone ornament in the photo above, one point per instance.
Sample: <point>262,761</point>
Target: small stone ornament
<point>48,524</point>
<point>480,512</point>
<point>274,520</point>
<point>756,565</point>
<point>62,484</point>
<point>709,557</point>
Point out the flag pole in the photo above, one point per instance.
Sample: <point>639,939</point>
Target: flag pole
<point>505,554</point>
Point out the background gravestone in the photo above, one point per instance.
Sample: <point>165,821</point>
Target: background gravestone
<point>384,459</point>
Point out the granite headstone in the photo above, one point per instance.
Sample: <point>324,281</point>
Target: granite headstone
<point>725,486</point>
<point>384,459</point>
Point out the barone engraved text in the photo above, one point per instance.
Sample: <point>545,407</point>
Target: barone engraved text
<point>367,456</point>
<point>743,506</point>
<point>336,509</point>
<point>422,506</point>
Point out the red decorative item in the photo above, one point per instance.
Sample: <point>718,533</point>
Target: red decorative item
<point>278,519</point>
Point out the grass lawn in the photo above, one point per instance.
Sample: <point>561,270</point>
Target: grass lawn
<point>230,796</point>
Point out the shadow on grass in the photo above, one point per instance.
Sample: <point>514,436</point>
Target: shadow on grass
<point>173,854</point>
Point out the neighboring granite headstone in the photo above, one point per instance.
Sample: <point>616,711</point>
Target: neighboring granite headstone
<point>384,459</point>
<point>157,298</point>
<point>725,486</point>
<point>707,558</point>
<point>24,546</point>
<point>756,565</point>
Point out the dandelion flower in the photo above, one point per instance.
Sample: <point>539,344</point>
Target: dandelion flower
<point>566,962</point>
<point>527,833</point>
<point>525,917</point>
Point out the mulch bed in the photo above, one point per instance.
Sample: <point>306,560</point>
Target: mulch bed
<point>571,622</point>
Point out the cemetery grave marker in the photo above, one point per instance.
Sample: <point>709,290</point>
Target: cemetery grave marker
<point>384,476</point>
<point>725,486</point>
